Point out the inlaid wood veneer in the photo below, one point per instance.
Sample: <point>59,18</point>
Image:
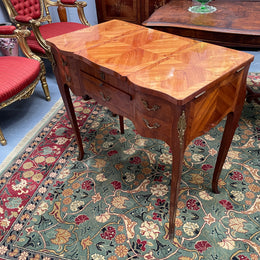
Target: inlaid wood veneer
<point>172,88</point>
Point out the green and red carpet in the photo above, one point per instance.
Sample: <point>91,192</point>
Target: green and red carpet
<point>114,204</point>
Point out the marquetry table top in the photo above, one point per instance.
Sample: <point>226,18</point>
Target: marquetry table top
<point>178,68</point>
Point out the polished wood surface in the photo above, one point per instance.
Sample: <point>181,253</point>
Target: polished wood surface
<point>236,23</point>
<point>172,88</point>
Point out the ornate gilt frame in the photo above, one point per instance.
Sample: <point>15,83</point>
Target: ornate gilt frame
<point>20,35</point>
<point>35,24</point>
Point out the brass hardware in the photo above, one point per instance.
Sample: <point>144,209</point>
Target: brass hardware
<point>104,97</point>
<point>2,138</point>
<point>146,105</point>
<point>64,63</point>
<point>102,75</point>
<point>68,78</point>
<point>156,125</point>
<point>240,69</point>
<point>182,127</point>
<point>202,93</point>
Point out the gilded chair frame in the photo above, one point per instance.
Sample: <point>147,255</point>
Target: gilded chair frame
<point>46,17</point>
<point>25,93</point>
<point>20,35</point>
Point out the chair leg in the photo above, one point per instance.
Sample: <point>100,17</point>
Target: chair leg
<point>2,138</point>
<point>252,96</point>
<point>121,122</point>
<point>86,97</point>
<point>44,82</point>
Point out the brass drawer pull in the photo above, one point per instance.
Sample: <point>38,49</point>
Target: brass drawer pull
<point>64,63</point>
<point>202,93</point>
<point>102,75</point>
<point>104,97</point>
<point>68,78</point>
<point>146,105</point>
<point>240,69</point>
<point>156,125</point>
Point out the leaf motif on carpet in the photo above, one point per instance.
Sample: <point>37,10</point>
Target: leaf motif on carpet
<point>114,204</point>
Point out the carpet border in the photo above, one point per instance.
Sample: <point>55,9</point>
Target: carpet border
<point>30,135</point>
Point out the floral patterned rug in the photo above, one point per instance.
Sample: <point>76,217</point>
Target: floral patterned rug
<point>114,204</point>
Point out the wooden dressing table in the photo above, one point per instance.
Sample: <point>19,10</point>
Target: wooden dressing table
<point>172,88</point>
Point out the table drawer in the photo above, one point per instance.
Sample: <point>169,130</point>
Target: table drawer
<point>153,107</point>
<point>109,77</point>
<point>107,95</point>
<point>152,127</point>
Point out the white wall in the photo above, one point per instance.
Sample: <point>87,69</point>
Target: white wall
<point>90,12</point>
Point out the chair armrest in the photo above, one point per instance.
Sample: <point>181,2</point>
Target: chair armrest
<point>10,31</point>
<point>80,5</point>
<point>26,21</point>
<point>8,41</point>
<point>68,2</point>
<point>23,18</point>
<point>7,30</point>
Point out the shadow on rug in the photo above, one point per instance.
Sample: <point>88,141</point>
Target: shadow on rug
<point>114,204</point>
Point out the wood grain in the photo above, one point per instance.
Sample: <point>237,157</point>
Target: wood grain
<point>172,88</point>
<point>236,23</point>
<point>134,11</point>
<point>175,66</point>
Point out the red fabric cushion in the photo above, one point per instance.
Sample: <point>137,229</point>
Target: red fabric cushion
<point>7,29</point>
<point>68,2</point>
<point>16,73</point>
<point>30,8</point>
<point>52,30</point>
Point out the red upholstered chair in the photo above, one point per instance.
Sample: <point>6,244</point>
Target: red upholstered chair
<point>19,75</point>
<point>35,15</point>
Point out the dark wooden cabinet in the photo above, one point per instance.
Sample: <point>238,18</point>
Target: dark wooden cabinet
<point>135,11</point>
